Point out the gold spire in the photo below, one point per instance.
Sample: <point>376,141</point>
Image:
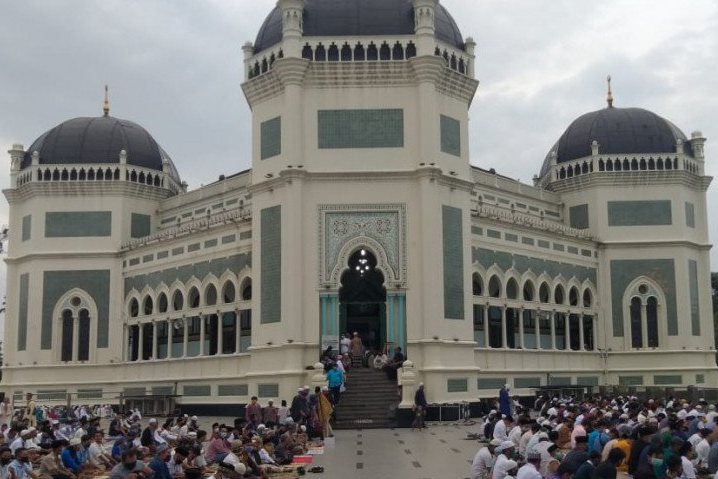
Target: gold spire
<point>609,98</point>
<point>106,105</point>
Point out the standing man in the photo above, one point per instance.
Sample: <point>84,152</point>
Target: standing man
<point>420,405</point>
<point>253,412</point>
<point>505,400</point>
<point>30,410</point>
<point>335,378</point>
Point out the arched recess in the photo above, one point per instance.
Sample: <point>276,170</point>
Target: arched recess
<point>133,307</point>
<point>229,292</point>
<point>573,296</point>
<point>559,294</point>
<point>644,314</point>
<point>75,315</point>
<point>193,297</point>
<point>177,300</point>
<point>528,290</point>
<point>210,295</point>
<point>245,290</point>
<point>148,305</point>
<point>512,288</point>
<point>477,284</point>
<point>494,289</point>
<point>371,245</point>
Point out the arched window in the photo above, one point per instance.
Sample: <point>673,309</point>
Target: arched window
<point>385,52</point>
<point>558,295</point>
<point>75,327</point>
<point>512,289</point>
<point>333,53</point>
<point>210,295</point>
<point>544,293</point>
<point>346,53</point>
<point>320,53</point>
<point>177,300</point>
<point>528,291</point>
<point>573,296</point>
<point>228,292</point>
<point>193,298</point>
<point>494,287</point>
<point>307,52</point>
<point>162,303</point>
<point>83,342</point>
<point>477,285</point>
<point>372,52</point>
<point>397,52</point>
<point>636,323</point>
<point>652,321</point>
<point>359,53</point>
<point>587,299</point>
<point>147,305</point>
<point>247,290</point>
<point>410,50</point>
<point>134,309</point>
<point>67,334</point>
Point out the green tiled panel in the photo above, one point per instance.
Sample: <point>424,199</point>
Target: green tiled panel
<point>552,213</point>
<point>233,390</point>
<point>210,243</point>
<point>690,215</point>
<point>163,254</point>
<point>572,250</point>
<point>22,312</point>
<point>75,224</point>
<point>140,225</point>
<point>587,380</point>
<point>521,383</point>
<point>177,251</point>
<point>199,211</point>
<point>217,206</point>
<point>26,227</point>
<point>268,390</point>
<point>450,135</point>
<point>522,264</point>
<point>700,378</point>
<point>476,230</point>
<point>558,247</point>
<point>193,247</point>
<point>457,385</point>
<point>96,283</point>
<point>695,300</point>
<point>623,272</point>
<point>229,239</point>
<point>527,241</point>
<point>245,235</point>
<point>544,244</point>
<point>52,395</point>
<point>490,383</point>
<point>578,216</point>
<point>453,251</point>
<point>199,270</point>
<point>490,197</point>
<point>233,201</point>
<point>504,201</point>
<point>271,138</point>
<point>559,380</point>
<point>147,258</point>
<point>197,390</point>
<point>134,392</point>
<point>639,213</point>
<point>511,237</point>
<point>361,128</point>
<point>493,234</point>
<point>89,393</point>
<point>187,215</point>
<point>665,379</point>
<point>630,380</point>
<point>271,265</point>
<point>168,220</point>
<point>521,205</point>
<point>586,252</point>
<point>162,390</point>
<point>134,261</point>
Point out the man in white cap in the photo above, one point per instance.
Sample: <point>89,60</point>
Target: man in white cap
<point>484,460</point>
<point>19,441</point>
<point>530,469</point>
<point>503,463</point>
<point>501,429</point>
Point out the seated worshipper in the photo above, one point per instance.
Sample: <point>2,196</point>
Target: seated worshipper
<point>585,470</point>
<point>484,460</point>
<point>96,453</point>
<point>166,432</point>
<point>608,469</point>
<point>150,435</point>
<point>176,464</point>
<point>253,412</point>
<point>195,457</point>
<point>19,441</point>
<point>647,468</point>
<point>131,468</point>
<point>502,464</point>
<point>232,466</point>
<point>21,467</point>
<point>51,465</point>
<point>218,447</point>
<point>283,452</point>
<point>564,434</point>
<point>577,456</point>
<point>71,457</point>
<point>530,469</point>
<point>159,463</point>
<point>5,460</point>
<point>674,468</point>
<point>502,427</point>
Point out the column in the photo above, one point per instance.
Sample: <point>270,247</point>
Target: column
<point>201,334</point>
<point>566,332</point>
<point>504,342</point>
<point>537,329</point>
<point>237,331</point>
<point>553,330</point>
<point>75,336</point>
<point>594,319</point>
<point>402,321</point>
<point>220,327</point>
<point>391,317</point>
<point>170,331</point>
<point>185,331</point>
<point>140,341</point>
<point>154,340</point>
<point>329,311</point>
<point>486,325</point>
<point>581,333</point>
<point>521,328</point>
<point>644,326</point>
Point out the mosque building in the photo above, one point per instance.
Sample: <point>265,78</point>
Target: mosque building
<point>361,212</point>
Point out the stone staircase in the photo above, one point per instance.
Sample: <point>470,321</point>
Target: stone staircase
<point>369,402</point>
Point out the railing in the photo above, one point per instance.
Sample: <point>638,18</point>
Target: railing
<point>524,219</point>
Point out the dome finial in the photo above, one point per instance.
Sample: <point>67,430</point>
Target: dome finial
<point>106,104</point>
<point>609,98</point>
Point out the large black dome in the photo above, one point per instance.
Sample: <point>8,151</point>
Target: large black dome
<point>335,18</point>
<point>98,140</point>
<point>617,131</point>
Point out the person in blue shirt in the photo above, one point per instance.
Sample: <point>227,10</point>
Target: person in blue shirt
<point>335,378</point>
<point>70,457</point>
<point>159,463</point>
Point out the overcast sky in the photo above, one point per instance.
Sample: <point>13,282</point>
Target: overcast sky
<point>176,68</point>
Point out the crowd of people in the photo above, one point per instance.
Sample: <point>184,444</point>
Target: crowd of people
<point>598,438</point>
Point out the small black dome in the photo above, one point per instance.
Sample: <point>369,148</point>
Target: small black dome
<point>335,18</point>
<point>99,140</point>
<point>617,131</point>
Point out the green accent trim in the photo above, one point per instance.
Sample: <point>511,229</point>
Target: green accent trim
<point>450,135</point>
<point>52,395</point>
<point>140,225</point>
<point>534,208</point>
<point>695,299</point>
<point>199,211</point>
<point>168,220</point>
<point>639,213</point>
<point>662,271</point>
<point>243,235</point>
<point>690,215</point>
<point>26,227</point>
<point>457,385</point>
<point>662,380</point>
<point>527,241</point>
<point>163,254</point>
<point>476,230</point>
<point>229,239</point>
<point>134,392</point>
<point>558,247</point>
<point>271,265</point>
<point>271,138</point>
<point>178,251</point>
<point>453,253</point>
<point>559,381</point>
<point>217,206</point>
<point>521,205</point>
<point>22,313</point>
<point>544,244</point>
<point>493,234</point>
<point>506,260</point>
<point>233,390</point>
<point>490,383</point>
<point>630,380</point>
<point>193,247</point>
<point>187,215</point>
<point>552,213</point>
<point>148,257</point>
<point>360,128</point>
<point>210,243</point>
<point>268,390</point>
<point>511,237</point>
<point>700,378</point>
<point>55,284</point>
<point>490,197</point>
<point>523,383</point>
<point>504,201</point>
<point>572,249</point>
<point>134,261</point>
<point>587,380</point>
<point>197,390</point>
<point>578,216</point>
<point>76,224</point>
<point>233,201</point>
<point>586,252</point>
<point>89,393</point>
<point>163,390</point>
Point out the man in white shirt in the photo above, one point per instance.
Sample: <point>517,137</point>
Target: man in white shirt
<point>526,437</point>
<point>96,453</point>
<point>501,428</point>
<point>703,449</point>
<point>19,441</point>
<point>503,464</point>
<point>484,460</point>
<point>516,432</point>
<point>530,469</point>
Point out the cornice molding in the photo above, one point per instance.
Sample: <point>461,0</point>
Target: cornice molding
<point>110,188</point>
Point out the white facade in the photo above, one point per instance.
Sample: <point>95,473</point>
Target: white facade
<point>355,155</point>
